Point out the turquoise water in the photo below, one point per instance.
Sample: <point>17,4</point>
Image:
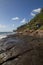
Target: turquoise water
<point>5,33</point>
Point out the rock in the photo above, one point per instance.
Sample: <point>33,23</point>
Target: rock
<point>21,50</point>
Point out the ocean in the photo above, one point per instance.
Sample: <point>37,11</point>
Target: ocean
<point>4,34</point>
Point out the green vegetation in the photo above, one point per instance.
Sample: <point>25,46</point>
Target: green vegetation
<point>41,28</point>
<point>34,24</point>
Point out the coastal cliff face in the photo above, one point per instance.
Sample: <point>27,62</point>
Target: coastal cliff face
<point>21,50</point>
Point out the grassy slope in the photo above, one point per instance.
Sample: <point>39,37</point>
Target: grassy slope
<point>37,20</point>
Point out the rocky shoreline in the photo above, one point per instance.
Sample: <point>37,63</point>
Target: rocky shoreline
<point>18,49</point>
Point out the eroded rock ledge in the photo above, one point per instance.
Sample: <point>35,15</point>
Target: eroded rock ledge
<point>21,50</point>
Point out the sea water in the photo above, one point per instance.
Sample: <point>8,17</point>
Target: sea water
<point>4,34</point>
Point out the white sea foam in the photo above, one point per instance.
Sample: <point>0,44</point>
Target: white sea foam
<point>3,36</point>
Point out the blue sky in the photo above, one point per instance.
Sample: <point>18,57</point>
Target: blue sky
<point>14,13</point>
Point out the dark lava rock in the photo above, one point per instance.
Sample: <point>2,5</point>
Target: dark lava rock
<point>21,50</point>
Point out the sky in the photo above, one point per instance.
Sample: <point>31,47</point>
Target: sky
<point>14,13</point>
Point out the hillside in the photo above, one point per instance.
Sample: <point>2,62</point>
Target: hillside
<point>34,24</point>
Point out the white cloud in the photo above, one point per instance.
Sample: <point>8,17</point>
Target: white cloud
<point>23,21</point>
<point>2,26</point>
<point>32,14</point>
<point>13,25</point>
<point>37,10</point>
<point>15,18</point>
